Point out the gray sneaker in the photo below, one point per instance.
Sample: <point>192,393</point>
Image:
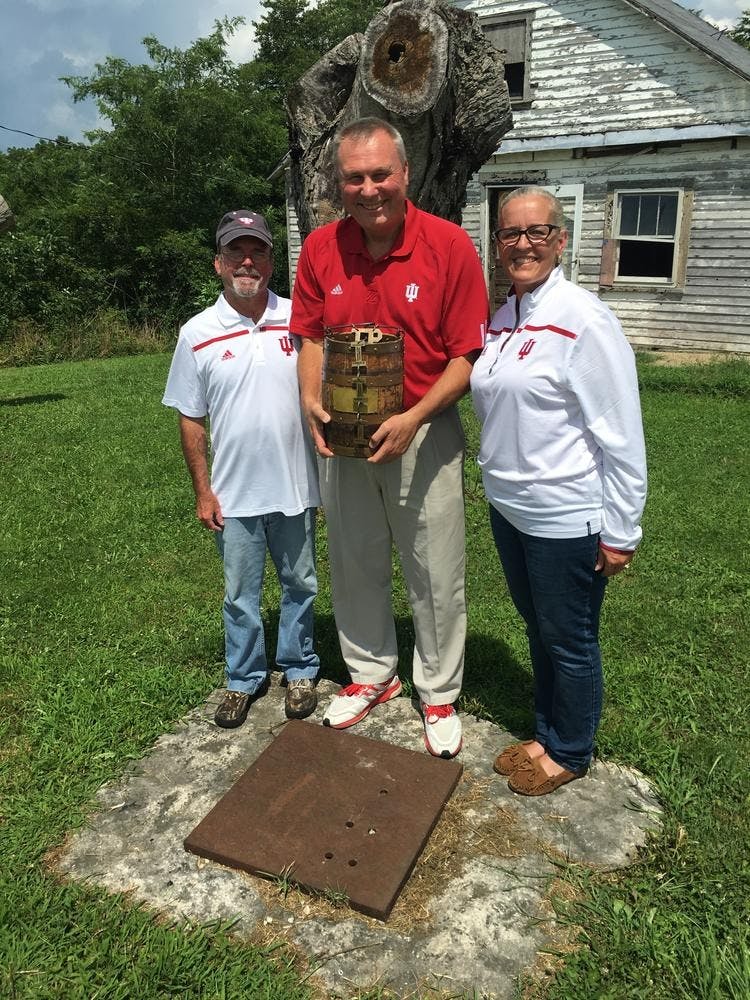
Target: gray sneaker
<point>301,698</point>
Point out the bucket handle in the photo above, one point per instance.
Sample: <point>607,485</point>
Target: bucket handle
<point>374,333</point>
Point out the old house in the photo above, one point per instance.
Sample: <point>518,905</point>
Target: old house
<point>636,114</point>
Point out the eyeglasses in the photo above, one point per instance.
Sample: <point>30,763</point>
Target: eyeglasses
<point>237,256</point>
<point>534,234</point>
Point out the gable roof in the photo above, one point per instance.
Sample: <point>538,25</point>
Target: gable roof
<point>697,32</point>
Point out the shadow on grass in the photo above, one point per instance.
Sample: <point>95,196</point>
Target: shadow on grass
<point>496,686</point>
<point>45,397</point>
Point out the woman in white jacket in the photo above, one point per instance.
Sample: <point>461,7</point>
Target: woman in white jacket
<point>564,469</point>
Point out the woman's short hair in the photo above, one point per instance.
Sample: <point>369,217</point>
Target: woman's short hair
<point>556,208</point>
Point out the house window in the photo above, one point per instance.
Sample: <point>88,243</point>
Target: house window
<point>647,245</point>
<point>512,38</point>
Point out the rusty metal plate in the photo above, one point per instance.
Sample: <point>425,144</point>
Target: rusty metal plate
<point>331,812</point>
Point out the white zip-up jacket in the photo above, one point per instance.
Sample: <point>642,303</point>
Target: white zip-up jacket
<point>556,392</point>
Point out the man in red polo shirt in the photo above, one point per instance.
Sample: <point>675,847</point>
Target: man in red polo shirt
<point>393,264</point>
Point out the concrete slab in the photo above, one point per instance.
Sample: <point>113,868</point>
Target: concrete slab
<point>475,913</point>
<point>330,811</point>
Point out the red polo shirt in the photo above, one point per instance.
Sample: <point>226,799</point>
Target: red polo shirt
<point>431,285</point>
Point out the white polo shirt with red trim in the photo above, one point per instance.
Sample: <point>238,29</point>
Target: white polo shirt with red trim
<point>562,451</point>
<point>431,285</point>
<point>243,376</point>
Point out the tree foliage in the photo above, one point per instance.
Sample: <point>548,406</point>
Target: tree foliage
<point>126,222</point>
<point>129,220</point>
<point>740,33</point>
<point>292,35</point>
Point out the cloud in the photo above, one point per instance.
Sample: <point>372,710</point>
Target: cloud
<point>724,12</point>
<point>44,40</point>
<point>241,46</point>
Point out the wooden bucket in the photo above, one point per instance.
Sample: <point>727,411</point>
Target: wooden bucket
<point>363,384</point>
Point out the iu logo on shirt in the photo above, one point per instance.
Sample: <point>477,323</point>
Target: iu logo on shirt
<point>525,349</point>
<point>412,291</point>
<point>287,345</point>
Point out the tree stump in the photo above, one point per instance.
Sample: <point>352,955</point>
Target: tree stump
<point>425,67</point>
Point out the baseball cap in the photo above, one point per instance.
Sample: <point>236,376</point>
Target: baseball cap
<point>242,222</point>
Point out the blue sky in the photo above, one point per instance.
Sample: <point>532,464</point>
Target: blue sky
<point>43,40</point>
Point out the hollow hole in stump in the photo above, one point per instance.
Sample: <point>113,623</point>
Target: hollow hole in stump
<point>328,855</point>
<point>383,791</point>
<point>349,824</point>
<point>396,51</point>
<point>352,863</point>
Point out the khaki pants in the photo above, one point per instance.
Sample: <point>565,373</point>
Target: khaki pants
<point>417,503</point>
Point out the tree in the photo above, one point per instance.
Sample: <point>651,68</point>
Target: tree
<point>427,68</point>
<point>7,218</point>
<point>190,137</point>
<point>42,274</point>
<point>292,35</point>
<point>128,221</point>
<point>740,33</point>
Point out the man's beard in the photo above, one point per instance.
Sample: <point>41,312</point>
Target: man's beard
<point>243,291</point>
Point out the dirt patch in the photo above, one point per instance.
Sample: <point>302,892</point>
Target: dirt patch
<point>675,358</point>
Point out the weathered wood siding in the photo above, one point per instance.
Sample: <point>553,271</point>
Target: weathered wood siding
<point>609,70</point>
<point>604,66</point>
<point>712,311</point>
<point>293,237</point>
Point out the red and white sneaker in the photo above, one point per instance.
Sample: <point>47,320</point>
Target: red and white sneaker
<point>353,702</point>
<point>442,730</point>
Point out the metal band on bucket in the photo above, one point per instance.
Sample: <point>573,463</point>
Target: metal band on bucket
<point>363,383</point>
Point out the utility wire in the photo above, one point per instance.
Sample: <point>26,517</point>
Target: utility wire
<point>44,138</point>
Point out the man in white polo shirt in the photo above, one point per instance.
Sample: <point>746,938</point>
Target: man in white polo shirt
<point>236,364</point>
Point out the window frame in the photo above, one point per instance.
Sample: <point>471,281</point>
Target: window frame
<point>499,21</point>
<point>609,275</point>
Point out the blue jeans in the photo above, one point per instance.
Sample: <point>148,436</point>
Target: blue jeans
<point>242,545</point>
<point>559,595</point>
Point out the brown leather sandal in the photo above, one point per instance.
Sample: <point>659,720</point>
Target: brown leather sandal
<point>512,757</point>
<point>532,779</point>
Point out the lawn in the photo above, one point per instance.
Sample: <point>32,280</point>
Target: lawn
<point>111,630</point>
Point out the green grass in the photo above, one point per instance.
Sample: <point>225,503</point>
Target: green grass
<point>110,630</point>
